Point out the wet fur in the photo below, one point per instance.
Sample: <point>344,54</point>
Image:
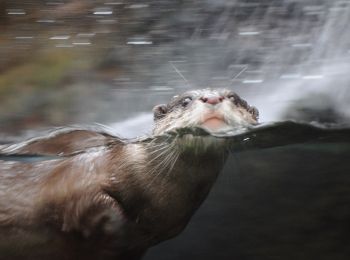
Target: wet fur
<point>235,110</point>
<point>101,197</point>
<point>56,208</point>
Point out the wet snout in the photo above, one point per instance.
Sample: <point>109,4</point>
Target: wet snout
<point>211,99</point>
<point>212,116</point>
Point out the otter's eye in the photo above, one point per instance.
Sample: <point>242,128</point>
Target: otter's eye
<point>231,96</point>
<point>186,101</point>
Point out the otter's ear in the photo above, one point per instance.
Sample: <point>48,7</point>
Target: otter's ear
<point>159,111</point>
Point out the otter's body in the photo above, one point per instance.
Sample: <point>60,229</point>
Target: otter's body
<point>93,196</point>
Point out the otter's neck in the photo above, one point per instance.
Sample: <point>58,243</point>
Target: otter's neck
<point>161,185</point>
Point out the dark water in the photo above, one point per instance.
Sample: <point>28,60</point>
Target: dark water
<point>283,195</point>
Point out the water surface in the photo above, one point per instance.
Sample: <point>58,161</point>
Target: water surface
<point>284,194</point>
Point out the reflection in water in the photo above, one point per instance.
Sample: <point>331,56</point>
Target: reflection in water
<point>279,203</point>
<point>283,194</point>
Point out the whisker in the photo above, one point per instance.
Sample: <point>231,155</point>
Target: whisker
<point>239,73</point>
<point>168,160</point>
<point>176,157</point>
<point>179,72</point>
<point>165,149</point>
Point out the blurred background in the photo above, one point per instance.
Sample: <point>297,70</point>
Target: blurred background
<point>80,62</point>
<point>110,61</point>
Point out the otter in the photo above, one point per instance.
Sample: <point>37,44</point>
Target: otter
<point>92,195</point>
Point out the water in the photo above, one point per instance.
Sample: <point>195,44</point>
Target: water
<point>82,62</point>
<point>278,203</point>
<point>284,191</point>
<point>283,194</point>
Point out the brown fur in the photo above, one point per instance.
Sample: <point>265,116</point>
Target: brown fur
<point>101,197</point>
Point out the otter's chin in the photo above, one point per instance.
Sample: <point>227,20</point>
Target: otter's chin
<point>215,125</point>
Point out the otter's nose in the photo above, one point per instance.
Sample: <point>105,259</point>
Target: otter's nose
<point>212,100</point>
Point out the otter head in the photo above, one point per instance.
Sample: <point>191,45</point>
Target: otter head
<point>214,110</point>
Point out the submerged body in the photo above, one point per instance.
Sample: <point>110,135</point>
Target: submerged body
<point>103,198</point>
